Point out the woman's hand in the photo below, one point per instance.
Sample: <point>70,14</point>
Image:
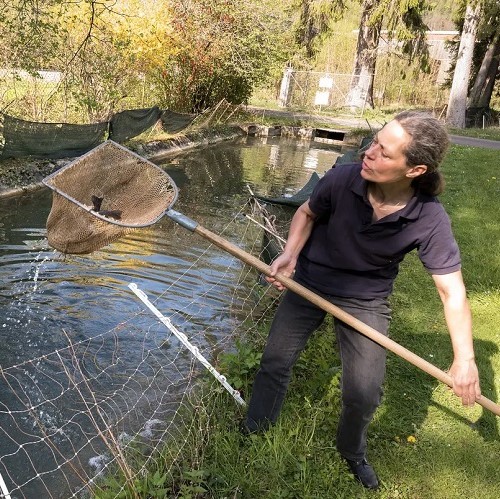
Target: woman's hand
<point>463,371</point>
<point>300,230</point>
<point>465,381</point>
<point>284,264</point>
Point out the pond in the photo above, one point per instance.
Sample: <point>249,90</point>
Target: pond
<point>72,331</point>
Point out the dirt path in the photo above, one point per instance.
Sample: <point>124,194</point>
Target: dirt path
<point>475,142</point>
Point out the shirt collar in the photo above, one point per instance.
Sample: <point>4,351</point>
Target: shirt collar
<point>410,212</point>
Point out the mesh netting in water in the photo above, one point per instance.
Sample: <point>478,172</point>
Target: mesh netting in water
<point>104,194</point>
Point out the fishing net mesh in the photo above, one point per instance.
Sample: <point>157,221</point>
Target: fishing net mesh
<point>102,195</point>
<point>117,394</point>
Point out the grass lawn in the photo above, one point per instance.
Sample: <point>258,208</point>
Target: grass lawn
<point>492,133</point>
<point>422,442</point>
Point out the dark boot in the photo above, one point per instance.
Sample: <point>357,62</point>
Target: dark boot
<point>363,472</point>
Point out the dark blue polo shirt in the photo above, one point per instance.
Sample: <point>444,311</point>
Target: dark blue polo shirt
<point>349,255</point>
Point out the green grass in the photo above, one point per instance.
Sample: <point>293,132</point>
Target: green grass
<point>422,442</point>
<point>492,133</point>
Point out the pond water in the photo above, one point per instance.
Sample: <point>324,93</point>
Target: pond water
<point>48,301</point>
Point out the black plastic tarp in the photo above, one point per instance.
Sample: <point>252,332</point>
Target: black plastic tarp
<point>173,122</point>
<point>133,122</point>
<point>49,140</point>
<point>298,198</point>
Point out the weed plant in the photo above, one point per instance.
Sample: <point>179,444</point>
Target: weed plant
<point>422,442</point>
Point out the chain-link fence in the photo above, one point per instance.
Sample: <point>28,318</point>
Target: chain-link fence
<point>323,90</point>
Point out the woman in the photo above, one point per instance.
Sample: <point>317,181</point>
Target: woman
<point>346,243</point>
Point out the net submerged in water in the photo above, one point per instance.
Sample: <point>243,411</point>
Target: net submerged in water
<point>102,195</point>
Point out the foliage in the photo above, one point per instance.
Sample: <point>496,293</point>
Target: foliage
<point>314,23</point>
<point>189,54</point>
<point>404,22</point>
<point>488,25</point>
<point>406,33</point>
<point>241,366</point>
<point>105,60</point>
<point>29,34</point>
<point>337,52</point>
<point>84,41</point>
<point>223,49</point>
<point>183,54</point>
<point>440,17</point>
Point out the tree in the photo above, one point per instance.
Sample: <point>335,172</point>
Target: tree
<point>404,23</point>
<point>82,40</point>
<point>486,57</point>
<point>29,38</point>
<point>361,91</point>
<point>183,54</point>
<point>223,48</point>
<point>315,18</point>
<point>482,90</point>
<point>457,103</point>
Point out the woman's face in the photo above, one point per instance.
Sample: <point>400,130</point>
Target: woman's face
<point>384,161</point>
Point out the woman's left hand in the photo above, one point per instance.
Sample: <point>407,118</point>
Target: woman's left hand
<point>465,381</point>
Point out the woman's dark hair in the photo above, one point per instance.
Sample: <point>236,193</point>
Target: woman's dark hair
<point>428,145</point>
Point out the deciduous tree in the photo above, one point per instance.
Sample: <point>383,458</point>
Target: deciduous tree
<point>486,57</point>
<point>482,90</point>
<point>182,54</point>
<point>223,49</point>
<point>455,114</point>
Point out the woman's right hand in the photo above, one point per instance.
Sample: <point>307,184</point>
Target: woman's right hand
<point>285,265</point>
<point>300,230</point>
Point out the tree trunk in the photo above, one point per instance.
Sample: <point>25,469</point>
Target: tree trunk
<point>457,103</point>
<point>481,92</point>
<point>361,92</point>
<point>306,32</point>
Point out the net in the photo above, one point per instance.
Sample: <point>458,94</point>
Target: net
<point>173,122</point>
<point>21,138</point>
<point>49,140</point>
<point>93,404</point>
<point>108,184</point>
<point>127,124</point>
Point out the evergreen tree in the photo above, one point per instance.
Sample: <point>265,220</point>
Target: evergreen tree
<point>315,18</point>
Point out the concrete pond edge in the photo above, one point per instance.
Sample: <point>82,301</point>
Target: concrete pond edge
<point>34,170</point>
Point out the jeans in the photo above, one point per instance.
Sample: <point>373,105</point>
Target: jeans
<point>363,365</point>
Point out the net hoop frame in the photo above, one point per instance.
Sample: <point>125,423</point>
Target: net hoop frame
<point>47,182</point>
